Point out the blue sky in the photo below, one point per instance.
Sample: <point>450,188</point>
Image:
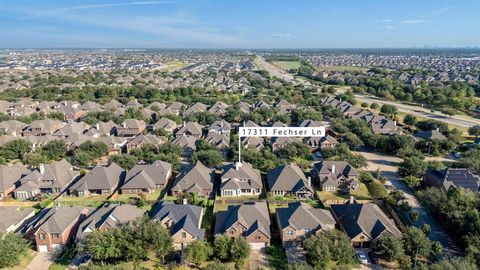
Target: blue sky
<point>240,23</point>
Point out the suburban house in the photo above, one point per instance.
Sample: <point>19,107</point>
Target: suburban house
<point>57,227</point>
<point>221,127</point>
<point>431,135</point>
<point>240,179</point>
<point>146,178</point>
<point>142,140</point>
<point>12,218</point>
<point>12,127</point>
<point>284,107</point>
<point>335,175</point>
<point>197,179</point>
<point>220,141</point>
<point>115,144</point>
<point>278,143</point>
<point>326,142</point>
<point>257,143</point>
<point>188,144</point>
<point>363,223</point>
<point>102,129</point>
<point>48,178</point>
<point>191,129</point>
<point>131,128</point>
<point>9,177</point>
<point>42,127</point>
<point>299,220</point>
<point>250,220</point>
<point>72,128</point>
<point>289,180</point>
<point>166,124</point>
<point>219,108</point>
<point>449,177</point>
<point>195,108</point>
<point>182,220</point>
<point>100,180</point>
<point>107,217</point>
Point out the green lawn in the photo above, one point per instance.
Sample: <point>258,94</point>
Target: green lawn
<point>287,64</point>
<point>24,261</point>
<point>92,201</point>
<point>361,194</point>
<point>149,197</point>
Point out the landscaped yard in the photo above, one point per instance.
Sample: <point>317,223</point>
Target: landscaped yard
<point>92,200</point>
<point>360,194</point>
<point>276,256</point>
<point>149,197</point>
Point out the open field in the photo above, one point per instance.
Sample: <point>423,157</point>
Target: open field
<point>287,65</point>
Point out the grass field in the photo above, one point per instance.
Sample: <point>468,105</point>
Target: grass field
<point>287,65</point>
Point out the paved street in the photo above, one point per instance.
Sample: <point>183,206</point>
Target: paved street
<point>388,166</point>
<point>462,121</point>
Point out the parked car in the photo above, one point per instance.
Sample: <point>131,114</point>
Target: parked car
<point>362,257</point>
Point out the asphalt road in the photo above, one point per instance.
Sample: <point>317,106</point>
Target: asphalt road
<point>388,166</point>
<point>423,112</point>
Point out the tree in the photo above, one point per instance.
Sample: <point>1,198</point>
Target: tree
<point>474,131</point>
<point>216,265</point>
<point>55,150</point>
<point>390,247</point>
<point>388,109</point>
<point>330,246</point>
<point>15,149</point>
<point>412,181</point>
<point>34,159</point>
<point>12,247</point>
<point>374,106</point>
<point>299,266</point>
<point>410,120</point>
<point>377,190</point>
<point>412,166</point>
<point>125,161</point>
<point>221,247</point>
<point>240,250</point>
<point>82,159</point>
<point>415,242</point>
<point>209,157</point>
<point>198,252</point>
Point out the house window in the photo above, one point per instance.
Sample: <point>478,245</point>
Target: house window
<point>55,235</point>
<point>232,232</point>
<point>258,237</point>
<point>42,236</point>
<point>184,235</point>
<point>289,232</point>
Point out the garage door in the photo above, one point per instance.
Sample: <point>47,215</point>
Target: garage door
<point>42,248</point>
<point>258,246</point>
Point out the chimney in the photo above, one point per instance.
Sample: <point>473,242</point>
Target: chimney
<point>352,200</point>
<point>185,201</point>
<point>238,165</point>
<point>309,181</point>
<point>438,129</point>
<point>41,168</point>
<point>333,168</point>
<point>394,123</point>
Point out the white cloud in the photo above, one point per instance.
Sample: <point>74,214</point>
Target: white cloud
<point>384,21</point>
<point>440,10</point>
<point>93,6</point>
<point>415,21</point>
<point>387,27</point>
<point>283,35</point>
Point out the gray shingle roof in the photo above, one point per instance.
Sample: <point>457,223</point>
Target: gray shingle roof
<point>287,178</point>
<point>197,178</point>
<point>252,215</point>
<point>300,216</point>
<point>184,216</point>
<point>232,174</point>
<point>364,218</point>
<point>148,175</point>
<point>100,178</point>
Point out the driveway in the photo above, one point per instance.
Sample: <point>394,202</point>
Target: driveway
<point>42,261</point>
<point>388,166</point>
<point>295,254</point>
<point>258,259</point>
